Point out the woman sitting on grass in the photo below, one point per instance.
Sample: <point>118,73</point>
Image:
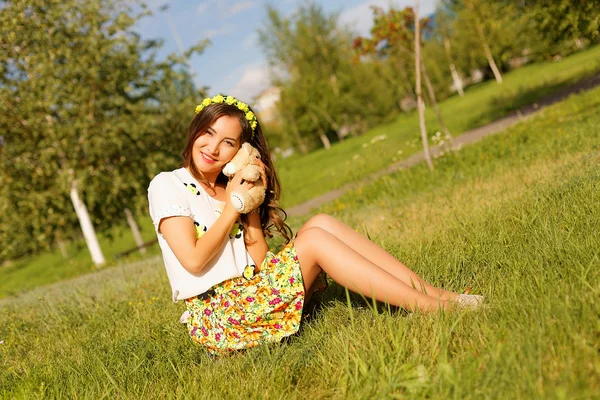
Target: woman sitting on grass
<point>238,294</point>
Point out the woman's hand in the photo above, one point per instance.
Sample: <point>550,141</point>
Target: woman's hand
<point>263,172</point>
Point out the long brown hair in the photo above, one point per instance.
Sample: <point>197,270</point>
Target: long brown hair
<point>272,216</point>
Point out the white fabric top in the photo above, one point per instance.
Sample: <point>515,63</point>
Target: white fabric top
<point>177,193</point>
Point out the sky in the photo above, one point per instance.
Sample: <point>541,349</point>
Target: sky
<point>234,62</point>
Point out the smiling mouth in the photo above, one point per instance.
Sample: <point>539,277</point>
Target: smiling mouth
<point>208,159</point>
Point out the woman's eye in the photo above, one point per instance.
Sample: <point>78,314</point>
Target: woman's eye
<point>231,144</point>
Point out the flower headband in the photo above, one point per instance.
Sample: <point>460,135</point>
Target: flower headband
<point>232,101</point>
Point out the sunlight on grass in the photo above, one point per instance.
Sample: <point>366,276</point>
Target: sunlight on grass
<point>349,161</point>
<point>516,217</point>
<point>49,267</point>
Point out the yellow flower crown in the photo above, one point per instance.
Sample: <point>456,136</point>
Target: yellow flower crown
<point>232,101</point>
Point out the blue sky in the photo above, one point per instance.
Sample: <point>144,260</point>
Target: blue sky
<point>234,63</point>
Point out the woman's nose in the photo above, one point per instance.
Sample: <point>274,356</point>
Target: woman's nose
<point>213,146</point>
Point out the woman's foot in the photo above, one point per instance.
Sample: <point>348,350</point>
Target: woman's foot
<point>469,300</point>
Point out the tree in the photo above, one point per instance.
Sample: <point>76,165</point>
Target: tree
<point>477,18</point>
<point>443,30</point>
<point>322,92</point>
<point>563,24</point>
<point>421,108</point>
<point>393,34</point>
<point>81,92</point>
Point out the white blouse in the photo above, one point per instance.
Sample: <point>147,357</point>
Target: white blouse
<point>177,193</point>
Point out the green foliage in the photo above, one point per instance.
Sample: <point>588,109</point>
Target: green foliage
<point>564,25</point>
<point>323,93</point>
<point>515,217</point>
<point>84,99</point>
<point>310,58</point>
<point>392,44</point>
<point>504,28</point>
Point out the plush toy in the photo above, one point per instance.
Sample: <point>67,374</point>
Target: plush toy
<point>244,162</point>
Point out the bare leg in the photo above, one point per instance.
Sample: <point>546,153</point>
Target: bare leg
<point>318,249</point>
<point>374,254</point>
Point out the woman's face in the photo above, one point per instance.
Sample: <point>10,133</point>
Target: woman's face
<point>217,146</point>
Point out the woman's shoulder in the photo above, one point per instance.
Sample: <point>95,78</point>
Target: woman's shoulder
<point>167,178</point>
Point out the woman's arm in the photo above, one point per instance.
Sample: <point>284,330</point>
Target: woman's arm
<point>180,234</point>
<point>257,246</point>
<point>194,254</point>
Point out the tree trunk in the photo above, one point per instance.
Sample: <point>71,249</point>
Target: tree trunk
<point>455,77</point>
<point>296,133</point>
<point>420,105</point>
<point>488,52</point>
<point>135,230</point>
<point>322,136</point>
<point>62,247</point>
<point>324,139</point>
<point>86,226</point>
<point>331,121</point>
<point>433,99</point>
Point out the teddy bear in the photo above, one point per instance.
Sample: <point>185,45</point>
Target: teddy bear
<point>245,162</point>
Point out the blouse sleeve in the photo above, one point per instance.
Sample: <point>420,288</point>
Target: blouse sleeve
<point>166,200</point>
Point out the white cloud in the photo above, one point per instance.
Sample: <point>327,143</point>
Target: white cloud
<point>253,80</point>
<point>223,30</point>
<point>360,17</point>
<point>241,6</point>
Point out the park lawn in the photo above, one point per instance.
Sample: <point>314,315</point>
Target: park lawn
<point>304,177</point>
<point>49,266</point>
<point>353,159</point>
<point>515,217</point>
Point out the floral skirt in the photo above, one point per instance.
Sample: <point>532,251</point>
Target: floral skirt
<point>244,312</point>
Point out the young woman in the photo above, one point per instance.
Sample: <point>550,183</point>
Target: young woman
<point>238,294</point>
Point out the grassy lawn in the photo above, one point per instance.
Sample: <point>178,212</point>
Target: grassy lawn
<point>49,267</point>
<point>516,217</point>
<point>321,171</point>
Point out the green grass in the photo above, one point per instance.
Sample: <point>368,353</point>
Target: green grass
<point>49,267</point>
<point>304,177</point>
<point>351,160</point>
<point>516,217</point>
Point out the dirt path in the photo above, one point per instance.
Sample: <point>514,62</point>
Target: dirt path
<point>466,138</point>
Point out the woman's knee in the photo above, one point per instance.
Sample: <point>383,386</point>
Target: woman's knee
<point>310,236</point>
<point>322,221</point>
<point>307,247</point>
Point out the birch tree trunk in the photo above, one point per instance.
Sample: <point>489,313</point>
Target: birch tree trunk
<point>420,105</point>
<point>455,77</point>
<point>135,230</point>
<point>62,247</point>
<point>324,139</point>
<point>483,41</point>
<point>322,136</point>
<point>86,226</point>
<point>488,52</point>
<point>296,133</point>
<point>330,120</point>
<point>433,99</point>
